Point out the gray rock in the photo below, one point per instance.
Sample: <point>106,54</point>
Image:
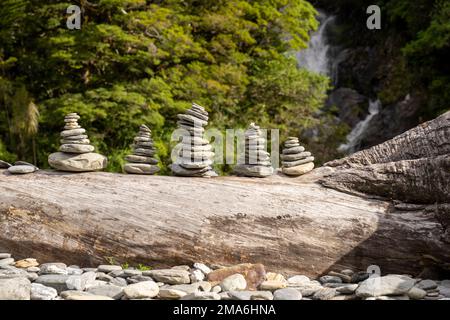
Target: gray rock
<point>169,276</point>
<point>78,282</point>
<point>359,277</point>
<point>416,293</point>
<point>427,285</point>
<point>76,148</point>
<point>77,162</point>
<point>216,289</point>
<point>140,168</point>
<point>202,267</point>
<point>111,291</point>
<point>201,296</point>
<point>144,152</point>
<point>287,294</point>
<point>74,271</point>
<point>172,294</point>
<point>24,163</point>
<point>15,289</point>
<point>132,272</point>
<point>324,294</point>
<point>9,272</point>
<point>80,295</point>
<point>41,292</point>
<point>249,170</point>
<point>4,164</point>
<point>103,277</point>
<point>34,269</point>
<point>5,255</point>
<point>120,282</point>
<point>194,287</point>
<point>445,283</point>
<point>298,280</point>
<point>21,169</point>
<point>76,138</point>
<point>294,150</point>
<point>56,281</point>
<point>136,279</point>
<point>289,164</point>
<point>140,159</point>
<point>79,141</point>
<point>140,290</point>
<point>180,171</point>
<point>53,268</point>
<point>444,291</point>
<point>32,276</point>
<point>6,262</point>
<point>330,279</point>
<point>295,156</point>
<point>71,133</point>
<point>250,295</point>
<point>384,286</point>
<point>347,289</point>
<point>234,282</point>
<point>197,276</point>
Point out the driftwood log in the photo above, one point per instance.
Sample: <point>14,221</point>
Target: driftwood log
<point>291,225</point>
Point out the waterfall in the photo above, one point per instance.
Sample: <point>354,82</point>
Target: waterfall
<point>316,57</point>
<point>355,136</point>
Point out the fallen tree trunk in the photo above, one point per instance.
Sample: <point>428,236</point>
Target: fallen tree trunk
<point>290,225</point>
<point>413,167</point>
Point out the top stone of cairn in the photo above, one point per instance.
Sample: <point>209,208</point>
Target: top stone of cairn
<point>194,155</point>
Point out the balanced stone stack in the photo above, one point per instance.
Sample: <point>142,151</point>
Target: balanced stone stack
<point>195,155</point>
<point>76,153</point>
<point>295,161</point>
<point>255,162</point>
<point>142,160</point>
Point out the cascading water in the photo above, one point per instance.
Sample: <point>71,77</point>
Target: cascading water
<point>355,136</point>
<point>316,57</point>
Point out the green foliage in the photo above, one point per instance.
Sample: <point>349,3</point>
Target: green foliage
<point>137,61</point>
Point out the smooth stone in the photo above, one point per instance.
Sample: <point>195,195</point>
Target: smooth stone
<point>107,268</point>
<point>75,138</point>
<point>197,276</point>
<point>80,141</point>
<point>295,157</point>
<point>71,127</point>
<point>79,282</point>
<point>233,282</point>
<point>289,164</point>
<point>131,272</point>
<point>140,168</point>
<point>111,291</point>
<point>250,295</point>
<point>5,255</point>
<point>216,289</point>
<point>56,281</point>
<point>142,139</point>
<point>80,295</point>
<point>6,262</point>
<point>416,293</point>
<point>330,279</point>
<point>41,292</point>
<point>254,274</point>
<point>136,279</point>
<point>192,119</point>
<point>77,162</point>
<point>53,268</point>
<point>24,163</point>
<point>120,282</point>
<point>144,152</point>
<point>71,133</point>
<point>298,280</point>
<point>253,170</point>
<point>272,285</point>
<point>140,159</point>
<point>180,171</point>
<point>445,283</point>
<point>76,148</point>
<point>348,272</point>
<point>4,164</point>
<point>140,290</point>
<point>287,294</point>
<point>347,289</point>
<point>168,293</point>
<point>72,116</point>
<point>74,271</point>
<point>202,267</point>
<point>26,263</point>
<point>193,141</point>
<point>427,285</point>
<point>384,286</point>
<point>308,290</point>
<point>21,169</point>
<point>189,164</point>
<point>169,276</point>
<point>94,283</point>
<point>275,276</point>
<point>324,294</point>
<point>444,291</point>
<point>199,115</point>
<point>144,145</point>
<point>292,145</point>
<point>194,287</point>
<point>33,269</point>
<point>294,150</point>
<point>15,289</point>
<point>201,296</point>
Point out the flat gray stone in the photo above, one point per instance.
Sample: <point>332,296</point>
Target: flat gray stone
<point>169,276</point>
<point>295,156</point>
<point>427,285</point>
<point>201,296</point>
<point>76,148</point>
<point>56,281</point>
<point>21,169</point>
<point>5,255</point>
<point>250,295</point>
<point>77,162</point>
<point>253,170</point>
<point>111,291</point>
<point>80,295</point>
<point>140,159</point>
<point>384,286</point>
<point>289,164</point>
<point>140,290</point>
<point>347,289</point>
<point>15,289</point>
<point>287,294</point>
<point>107,268</point>
<point>79,141</point>
<point>233,282</point>
<point>53,268</point>
<point>79,282</point>
<point>41,292</point>
<point>140,168</point>
<point>6,262</point>
<point>72,133</point>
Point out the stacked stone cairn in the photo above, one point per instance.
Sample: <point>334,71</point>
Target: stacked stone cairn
<point>295,161</point>
<point>255,162</point>
<point>142,160</point>
<point>76,153</point>
<point>194,156</point>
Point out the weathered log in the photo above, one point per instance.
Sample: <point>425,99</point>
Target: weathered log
<point>413,167</point>
<point>292,225</point>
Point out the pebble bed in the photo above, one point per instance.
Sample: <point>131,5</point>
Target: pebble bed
<point>28,280</point>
